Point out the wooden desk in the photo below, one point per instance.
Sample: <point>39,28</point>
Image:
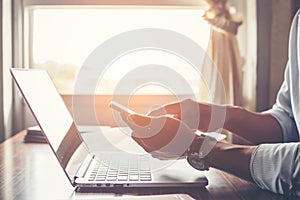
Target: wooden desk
<point>30,171</point>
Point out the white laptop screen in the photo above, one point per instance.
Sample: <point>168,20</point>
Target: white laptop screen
<point>53,117</point>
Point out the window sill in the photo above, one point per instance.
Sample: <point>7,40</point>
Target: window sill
<point>79,105</point>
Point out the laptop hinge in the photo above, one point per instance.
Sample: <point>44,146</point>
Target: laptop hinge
<point>84,167</point>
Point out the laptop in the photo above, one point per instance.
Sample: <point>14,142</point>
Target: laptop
<point>83,169</point>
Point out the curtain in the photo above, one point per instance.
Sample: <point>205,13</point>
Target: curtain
<point>6,88</point>
<point>222,68</point>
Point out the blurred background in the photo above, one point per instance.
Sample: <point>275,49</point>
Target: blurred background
<point>59,35</point>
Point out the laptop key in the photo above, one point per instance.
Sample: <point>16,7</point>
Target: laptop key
<point>133,177</point>
<point>111,178</point>
<point>145,179</point>
<point>122,178</point>
<point>100,179</point>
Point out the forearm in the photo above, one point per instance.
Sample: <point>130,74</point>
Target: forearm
<point>274,167</point>
<point>234,159</point>
<point>256,127</point>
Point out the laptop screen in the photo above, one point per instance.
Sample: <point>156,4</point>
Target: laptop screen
<point>53,118</point>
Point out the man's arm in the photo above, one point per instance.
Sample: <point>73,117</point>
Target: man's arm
<point>274,167</point>
<point>234,159</point>
<point>255,127</point>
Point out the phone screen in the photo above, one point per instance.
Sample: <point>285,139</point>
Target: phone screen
<point>121,108</point>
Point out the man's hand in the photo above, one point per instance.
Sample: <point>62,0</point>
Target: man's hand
<point>201,116</point>
<point>163,137</point>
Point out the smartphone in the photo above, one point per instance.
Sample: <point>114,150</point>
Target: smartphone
<point>121,108</point>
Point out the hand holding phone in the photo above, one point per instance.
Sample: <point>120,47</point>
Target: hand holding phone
<point>121,108</point>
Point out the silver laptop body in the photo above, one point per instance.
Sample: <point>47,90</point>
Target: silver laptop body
<point>82,167</point>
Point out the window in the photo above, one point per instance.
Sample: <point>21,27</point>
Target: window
<point>59,35</point>
<point>62,38</point>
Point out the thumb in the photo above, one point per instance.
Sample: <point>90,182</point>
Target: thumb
<point>139,120</point>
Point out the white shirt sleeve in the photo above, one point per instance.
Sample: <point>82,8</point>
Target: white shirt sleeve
<point>276,167</point>
<point>283,113</point>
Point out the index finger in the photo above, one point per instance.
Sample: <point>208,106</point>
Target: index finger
<point>136,122</point>
<point>171,108</point>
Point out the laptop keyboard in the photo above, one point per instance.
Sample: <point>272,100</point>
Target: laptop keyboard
<point>135,168</point>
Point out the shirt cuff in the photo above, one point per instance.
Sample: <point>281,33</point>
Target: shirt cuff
<point>272,166</point>
<point>288,126</point>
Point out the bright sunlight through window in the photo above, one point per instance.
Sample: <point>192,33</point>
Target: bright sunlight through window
<point>63,38</point>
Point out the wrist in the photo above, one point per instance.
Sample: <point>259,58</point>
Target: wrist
<point>196,153</point>
<point>195,146</point>
<point>210,158</point>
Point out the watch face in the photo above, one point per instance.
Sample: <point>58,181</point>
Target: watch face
<point>196,162</point>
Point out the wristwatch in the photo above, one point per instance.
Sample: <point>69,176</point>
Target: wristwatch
<point>195,156</point>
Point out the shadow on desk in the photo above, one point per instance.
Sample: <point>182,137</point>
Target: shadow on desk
<point>193,192</point>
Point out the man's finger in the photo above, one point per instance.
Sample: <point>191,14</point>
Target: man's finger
<point>134,120</point>
<point>140,120</point>
<point>172,108</point>
<point>139,124</point>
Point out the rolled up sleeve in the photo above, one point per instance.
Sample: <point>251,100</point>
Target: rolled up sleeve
<point>276,167</point>
<point>287,123</point>
<point>283,113</point>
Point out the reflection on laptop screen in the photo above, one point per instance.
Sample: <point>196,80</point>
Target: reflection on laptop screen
<point>52,116</point>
